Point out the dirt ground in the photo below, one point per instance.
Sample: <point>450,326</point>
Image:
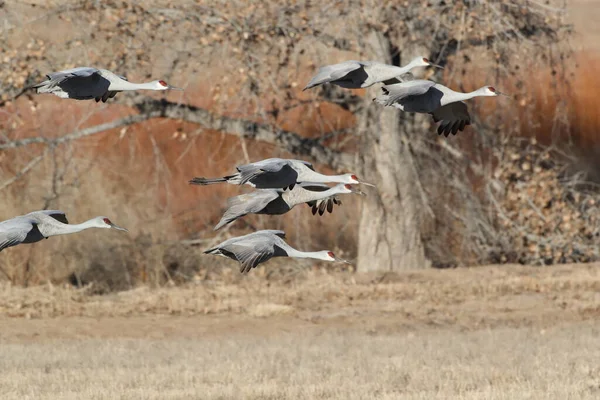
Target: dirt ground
<point>497,332</point>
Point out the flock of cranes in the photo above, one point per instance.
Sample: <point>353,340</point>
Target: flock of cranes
<point>280,184</point>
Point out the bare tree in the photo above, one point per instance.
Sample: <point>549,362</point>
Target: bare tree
<point>491,32</point>
<point>261,48</point>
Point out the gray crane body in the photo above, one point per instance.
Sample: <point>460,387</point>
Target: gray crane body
<point>361,74</point>
<point>278,201</point>
<point>277,173</point>
<point>258,247</point>
<point>86,83</point>
<point>39,225</point>
<point>427,97</point>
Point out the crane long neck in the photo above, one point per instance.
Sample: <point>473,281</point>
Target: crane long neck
<point>125,85</point>
<point>291,252</point>
<point>300,195</point>
<point>312,176</point>
<point>65,229</point>
<point>459,96</point>
<point>384,72</point>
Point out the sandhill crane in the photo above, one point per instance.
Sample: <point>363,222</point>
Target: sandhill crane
<point>277,173</point>
<point>362,74</point>
<point>258,247</point>
<point>444,104</point>
<point>278,201</point>
<point>38,225</point>
<point>85,83</point>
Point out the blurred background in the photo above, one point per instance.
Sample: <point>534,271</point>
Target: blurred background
<point>518,186</point>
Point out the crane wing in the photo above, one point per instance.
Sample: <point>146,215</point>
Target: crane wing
<point>14,232</point>
<point>82,72</point>
<point>244,238</point>
<point>248,203</point>
<point>399,91</point>
<point>273,172</point>
<point>82,83</point>
<point>279,233</point>
<point>252,253</point>
<point>399,79</point>
<point>56,78</point>
<point>454,116</point>
<point>314,186</point>
<point>58,215</point>
<point>272,164</point>
<point>309,165</point>
<point>333,72</point>
<point>252,249</point>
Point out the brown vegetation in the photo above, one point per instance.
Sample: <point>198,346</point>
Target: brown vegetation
<point>138,174</point>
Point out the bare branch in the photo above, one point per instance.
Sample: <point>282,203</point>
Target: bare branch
<point>132,119</point>
<point>23,171</point>
<point>289,141</point>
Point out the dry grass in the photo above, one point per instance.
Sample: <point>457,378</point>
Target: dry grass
<point>466,297</point>
<point>304,360</point>
<point>497,332</point>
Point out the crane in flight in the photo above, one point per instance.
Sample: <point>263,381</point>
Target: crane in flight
<point>445,105</point>
<point>39,225</point>
<point>85,83</point>
<point>278,201</point>
<point>258,247</point>
<point>361,74</point>
<point>277,173</point>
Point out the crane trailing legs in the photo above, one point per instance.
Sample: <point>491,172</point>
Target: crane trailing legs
<point>443,104</point>
<point>278,201</point>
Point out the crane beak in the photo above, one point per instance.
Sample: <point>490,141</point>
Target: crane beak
<point>503,94</point>
<point>174,88</point>
<point>357,191</point>
<point>342,260</point>
<point>118,228</point>
<point>366,183</point>
<point>436,66</point>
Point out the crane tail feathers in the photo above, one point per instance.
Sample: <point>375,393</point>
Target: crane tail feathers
<point>223,222</point>
<point>209,181</point>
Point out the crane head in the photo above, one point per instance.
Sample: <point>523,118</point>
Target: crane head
<point>353,179</point>
<point>107,223</point>
<point>492,91</point>
<point>329,256</point>
<point>424,62</point>
<point>347,188</point>
<point>162,85</point>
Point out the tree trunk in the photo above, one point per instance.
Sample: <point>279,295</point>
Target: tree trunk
<point>389,231</point>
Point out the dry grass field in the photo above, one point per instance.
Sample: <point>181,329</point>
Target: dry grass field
<point>497,332</point>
